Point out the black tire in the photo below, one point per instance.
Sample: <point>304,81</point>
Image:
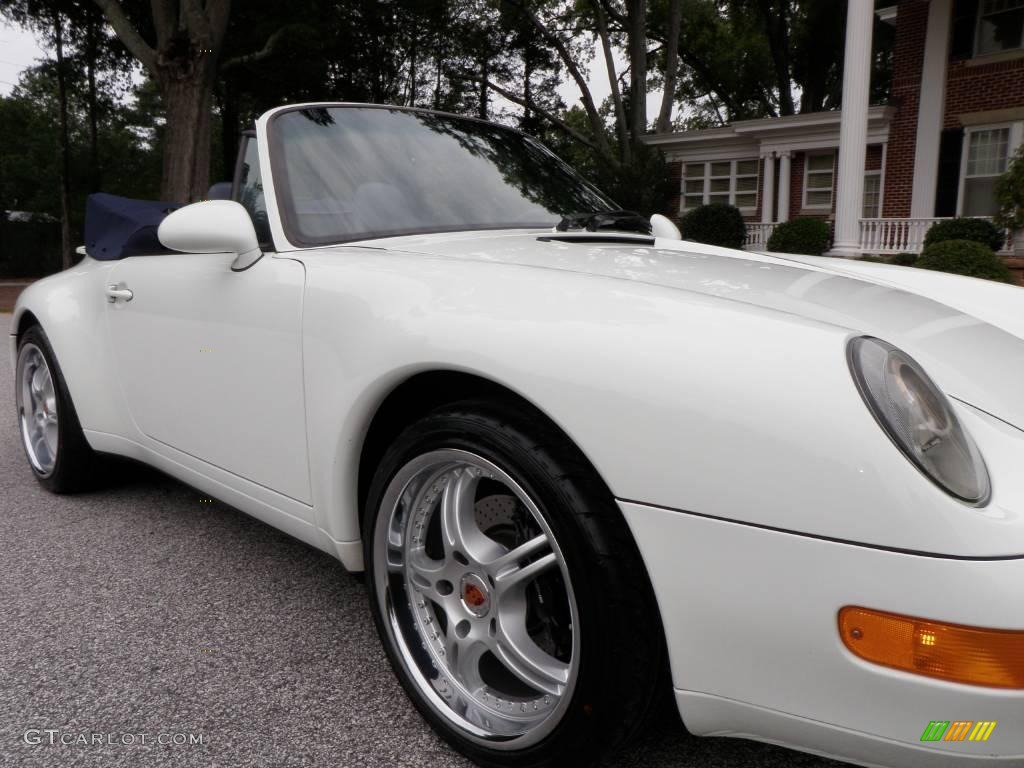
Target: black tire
<point>76,462</point>
<point>623,671</point>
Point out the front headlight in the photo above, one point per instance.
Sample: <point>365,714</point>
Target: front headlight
<point>918,418</point>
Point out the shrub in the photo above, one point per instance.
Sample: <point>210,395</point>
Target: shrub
<point>715,224</point>
<point>977,230</point>
<point>807,236</point>
<point>964,257</point>
<point>1010,194</point>
<point>904,259</point>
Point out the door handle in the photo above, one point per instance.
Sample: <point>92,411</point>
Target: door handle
<point>114,293</point>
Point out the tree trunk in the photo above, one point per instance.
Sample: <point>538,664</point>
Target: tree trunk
<point>484,74</point>
<point>527,89</point>
<point>439,32</point>
<point>229,125</point>
<point>671,66</point>
<point>94,154</point>
<point>65,160</point>
<point>411,101</point>
<point>777,26</point>
<point>637,34</point>
<point>186,168</point>
<point>184,65</point>
<point>621,124</point>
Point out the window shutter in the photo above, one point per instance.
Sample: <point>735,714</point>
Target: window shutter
<point>948,187</point>
<point>965,19</point>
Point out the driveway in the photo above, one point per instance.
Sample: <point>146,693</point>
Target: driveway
<point>144,612</point>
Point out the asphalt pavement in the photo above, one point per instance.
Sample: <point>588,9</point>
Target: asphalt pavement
<point>142,614</point>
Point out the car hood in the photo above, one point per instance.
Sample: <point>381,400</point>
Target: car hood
<point>969,334</point>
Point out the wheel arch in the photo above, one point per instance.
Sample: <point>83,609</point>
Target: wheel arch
<point>23,321</point>
<point>424,391</point>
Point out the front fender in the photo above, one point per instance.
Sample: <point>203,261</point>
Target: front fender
<point>685,401</point>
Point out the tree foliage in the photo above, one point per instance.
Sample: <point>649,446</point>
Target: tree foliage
<point>746,59</point>
<point>210,67</point>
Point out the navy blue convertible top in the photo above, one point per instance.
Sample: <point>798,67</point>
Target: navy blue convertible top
<point>116,227</point>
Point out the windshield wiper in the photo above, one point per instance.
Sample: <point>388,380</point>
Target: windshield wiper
<point>603,221</point>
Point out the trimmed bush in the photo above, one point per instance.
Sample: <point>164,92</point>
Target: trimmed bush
<point>904,259</point>
<point>977,230</point>
<point>715,224</point>
<point>808,236</point>
<point>965,257</point>
<point>1010,194</point>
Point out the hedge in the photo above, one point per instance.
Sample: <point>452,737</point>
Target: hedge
<point>964,257</point>
<point>715,224</point>
<point>807,236</point>
<point>977,230</point>
<point>904,259</point>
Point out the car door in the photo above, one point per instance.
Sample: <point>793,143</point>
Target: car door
<point>210,360</point>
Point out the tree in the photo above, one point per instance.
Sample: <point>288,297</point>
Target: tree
<point>1009,195</point>
<point>183,61</point>
<point>48,17</point>
<point>127,142</point>
<point>63,142</point>
<point>671,66</point>
<point>746,59</point>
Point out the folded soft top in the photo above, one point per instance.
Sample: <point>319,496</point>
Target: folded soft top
<point>116,227</point>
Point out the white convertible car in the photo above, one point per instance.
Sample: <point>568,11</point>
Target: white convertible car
<point>583,463</point>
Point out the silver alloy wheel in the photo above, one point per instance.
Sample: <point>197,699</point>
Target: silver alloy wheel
<point>37,409</point>
<point>477,598</point>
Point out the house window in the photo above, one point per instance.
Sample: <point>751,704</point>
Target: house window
<point>986,152</point>
<point>733,182</point>
<point>1000,26</point>
<point>693,185</point>
<point>872,195</point>
<point>746,184</point>
<point>719,182</point>
<point>819,172</point>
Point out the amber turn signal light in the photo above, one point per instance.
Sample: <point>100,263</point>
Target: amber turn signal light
<point>971,655</point>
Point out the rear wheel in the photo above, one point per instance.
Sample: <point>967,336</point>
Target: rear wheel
<point>508,592</point>
<point>57,451</point>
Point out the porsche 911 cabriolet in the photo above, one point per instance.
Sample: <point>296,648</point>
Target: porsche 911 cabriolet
<point>585,465</point>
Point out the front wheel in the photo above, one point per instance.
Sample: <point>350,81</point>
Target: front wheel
<point>510,597</point>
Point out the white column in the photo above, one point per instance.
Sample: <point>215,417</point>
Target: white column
<point>853,126</point>
<point>768,188</point>
<point>930,109</point>
<point>784,183</point>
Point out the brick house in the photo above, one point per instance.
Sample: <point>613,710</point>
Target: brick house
<point>954,118</point>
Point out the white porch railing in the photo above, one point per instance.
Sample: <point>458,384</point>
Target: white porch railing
<point>879,236</point>
<point>757,235</point>
<point>894,235</point>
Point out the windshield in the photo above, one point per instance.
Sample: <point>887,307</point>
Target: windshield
<point>352,173</point>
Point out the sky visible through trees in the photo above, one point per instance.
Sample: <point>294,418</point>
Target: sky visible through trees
<point>146,98</point>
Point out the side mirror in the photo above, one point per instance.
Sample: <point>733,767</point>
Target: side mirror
<point>662,226</point>
<point>214,226</point>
